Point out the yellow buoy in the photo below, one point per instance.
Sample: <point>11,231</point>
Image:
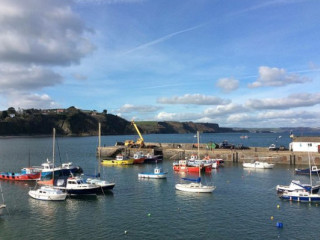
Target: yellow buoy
<point>278,206</point>
<point>271,217</point>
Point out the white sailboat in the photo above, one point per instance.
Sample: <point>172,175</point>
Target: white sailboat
<point>103,184</point>
<point>195,185</point>
<point>49,193</point>
<point>2,206</point>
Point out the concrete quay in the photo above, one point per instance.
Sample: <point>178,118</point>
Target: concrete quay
<point>176,151</point>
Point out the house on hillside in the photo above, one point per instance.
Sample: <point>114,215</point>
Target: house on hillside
<point>305,144</point>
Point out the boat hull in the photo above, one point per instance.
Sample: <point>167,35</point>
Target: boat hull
<point>195,187</point>
<point>48,194</point>
<point>103,185</point>
<point>307,171</point>
<point>2,207</point>
<point>300,197</point>
<point>258,165</point>
<point>20,177</point>
<point>185,169</point>
<point>153,175</point>
<point>117,162</point>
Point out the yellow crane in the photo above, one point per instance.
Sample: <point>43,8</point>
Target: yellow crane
<point>140,140</point>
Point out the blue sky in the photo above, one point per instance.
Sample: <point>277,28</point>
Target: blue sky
<point>247,63</point>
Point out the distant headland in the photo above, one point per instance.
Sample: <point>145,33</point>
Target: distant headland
<point>76,122</point>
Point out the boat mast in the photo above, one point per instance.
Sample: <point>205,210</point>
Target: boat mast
<point>310,171</point>
<point>99,148</point>
<point>198,141</point>
<point>53,148</point>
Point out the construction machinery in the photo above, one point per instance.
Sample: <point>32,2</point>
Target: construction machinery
<point>140,140</point>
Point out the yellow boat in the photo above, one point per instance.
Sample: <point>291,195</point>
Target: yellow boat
<point>120,160</point>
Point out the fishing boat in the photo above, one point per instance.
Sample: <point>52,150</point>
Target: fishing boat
<point>157,173</point>
<point>26,174</point>
<point>195,185</point>
<point>306,171</point>
<point>302,195</point>
<point>120,160</point>
<point>138,158</point>
<point>48,193</point>
<point>2,205</point>
<point>297,185</point>
<point>184,166</point>
<point>258,165</point>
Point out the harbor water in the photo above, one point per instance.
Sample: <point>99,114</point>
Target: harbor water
<point>243,206</point>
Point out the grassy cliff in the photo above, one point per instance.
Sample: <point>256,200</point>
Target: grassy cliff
<point>77,122</point>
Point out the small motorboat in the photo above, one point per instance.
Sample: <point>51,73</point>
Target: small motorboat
<point>157,173</point>
<point>77,186</point>
<point>151,158</point>
<point>306,171</point>
<point>258,165</point>
<point>102,184</point>
<point>297,185</point>
<point>300,196</point>
<point>48,193</point>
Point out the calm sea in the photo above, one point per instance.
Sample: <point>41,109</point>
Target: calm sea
<point>243,206</point>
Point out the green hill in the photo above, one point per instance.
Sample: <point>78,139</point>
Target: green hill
<point>76,122</point>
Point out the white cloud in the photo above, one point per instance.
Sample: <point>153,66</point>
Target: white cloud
<point>19,78</point>
<point>228,84</point>
<point>34,37</point>
<point>293,100</point>
<point>128,108</point>
<point>223,110</point>
<point>165,116</point>
<point>276,77</point>
<point>42,32</point>
<point>34,100</point>
<point>196,99</point>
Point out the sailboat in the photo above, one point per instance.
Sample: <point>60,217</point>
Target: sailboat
<point>49,193</point>
<point>103,184</point>
<point>195,185</point>
<point>2,206</point>
<point>302,195</point>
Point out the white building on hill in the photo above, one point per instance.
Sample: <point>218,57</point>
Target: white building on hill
<point>305,144</point>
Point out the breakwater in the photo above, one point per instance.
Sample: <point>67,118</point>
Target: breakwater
<point>175,151</point>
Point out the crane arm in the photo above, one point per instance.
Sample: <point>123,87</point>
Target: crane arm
<point>137,129</point>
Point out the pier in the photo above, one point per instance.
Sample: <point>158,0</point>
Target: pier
<point>175,151</point>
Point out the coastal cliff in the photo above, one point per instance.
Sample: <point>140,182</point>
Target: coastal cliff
<point>76,122</point>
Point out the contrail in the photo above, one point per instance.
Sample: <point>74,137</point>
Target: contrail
<point>162,39</point>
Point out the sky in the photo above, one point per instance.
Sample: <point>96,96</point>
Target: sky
<point>247,64</point>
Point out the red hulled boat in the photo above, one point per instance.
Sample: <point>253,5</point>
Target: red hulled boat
<point>26,174</point>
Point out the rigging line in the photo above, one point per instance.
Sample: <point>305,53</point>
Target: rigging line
<point>59,152</point>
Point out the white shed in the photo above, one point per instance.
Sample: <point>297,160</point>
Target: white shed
<point>305,144</point>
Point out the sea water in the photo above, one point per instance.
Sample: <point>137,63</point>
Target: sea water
<point>243,206</point>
